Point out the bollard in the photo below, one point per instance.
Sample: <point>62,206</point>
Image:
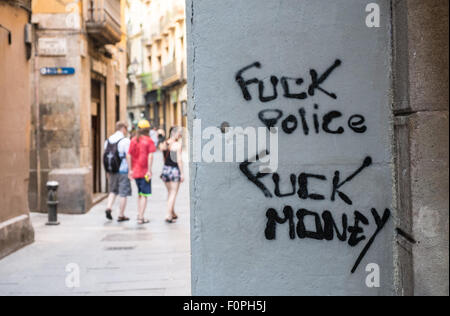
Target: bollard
<point>52,203</point>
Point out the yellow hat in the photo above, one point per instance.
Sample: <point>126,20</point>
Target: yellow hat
<point>144,124</point>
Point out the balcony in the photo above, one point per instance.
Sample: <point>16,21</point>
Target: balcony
<point>173,72</point>
<point>156,80</point>
<point>103,21</point>
<point>150,81</point>
<point>169,73</point>
<point>147,82</point>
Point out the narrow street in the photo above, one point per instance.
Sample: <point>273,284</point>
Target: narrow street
<point>314,138</point>
<point>113,259</point>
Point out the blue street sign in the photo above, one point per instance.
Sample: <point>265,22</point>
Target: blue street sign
<point>55,71</point>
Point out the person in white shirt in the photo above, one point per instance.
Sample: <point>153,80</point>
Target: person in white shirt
<point>119,183</point>
<point>154,136</point>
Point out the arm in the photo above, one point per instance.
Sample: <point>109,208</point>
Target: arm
<point>130,167</point>
<point>151,150</point>
<point>150,165</point>
<point>180,161</point>
<point>130,161</point>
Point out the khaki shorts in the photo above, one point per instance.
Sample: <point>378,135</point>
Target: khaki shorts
<point>119,184</point>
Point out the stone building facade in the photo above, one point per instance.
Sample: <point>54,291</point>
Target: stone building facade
<point>15,52</point>
<point>138,23</point>
<point>79,93</point>
<point>160,76</point>
<point>421,104</point>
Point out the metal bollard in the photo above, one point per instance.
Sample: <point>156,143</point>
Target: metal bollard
<point>52,203</point>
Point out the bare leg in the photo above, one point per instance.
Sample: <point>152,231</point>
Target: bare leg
<point>168,187</point>
<point>123,205</point>
<point>111,200</point>
<point>142,207</point>
<point>173,188</point>
<point>139,207</point>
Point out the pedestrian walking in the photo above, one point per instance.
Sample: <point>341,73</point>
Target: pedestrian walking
<point>173,171</point>
<point>161,136</point>
<point>140,160</point>
<point>116,166</point>
<point>154,136</point>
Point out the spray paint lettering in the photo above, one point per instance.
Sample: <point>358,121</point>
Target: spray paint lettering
<point>353,229</point>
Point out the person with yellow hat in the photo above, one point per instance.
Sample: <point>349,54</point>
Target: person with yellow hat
<point>144,124</point>
<point>140,160</point>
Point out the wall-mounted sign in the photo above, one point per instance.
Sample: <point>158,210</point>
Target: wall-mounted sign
<point>52,46</point>
<point>55,71</point>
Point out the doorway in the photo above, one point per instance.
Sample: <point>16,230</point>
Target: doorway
<point>118,118</point>
<point>95,119</point>
<point>98,125</point>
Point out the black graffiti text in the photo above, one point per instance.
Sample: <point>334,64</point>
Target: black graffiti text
<point>293,88</point>
<point>309,123</point>
<point>326,228</point>
<point>301,184</point>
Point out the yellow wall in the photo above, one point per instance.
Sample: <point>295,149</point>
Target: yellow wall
<point>52,6</point>
<point>14,114</point>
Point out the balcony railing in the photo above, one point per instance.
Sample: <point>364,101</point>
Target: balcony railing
<point>156,80</point>
<point>104,21</point>
<point>168,75</point>
<point>169,72</point>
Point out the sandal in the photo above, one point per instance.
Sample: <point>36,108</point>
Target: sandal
<point>122,219</point>
<point>109,215</point>
<point>175,216</point>
<point>170,221</point>
<point>143,221</point>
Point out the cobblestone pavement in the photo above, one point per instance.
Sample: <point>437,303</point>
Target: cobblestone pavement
<point>112,258</point>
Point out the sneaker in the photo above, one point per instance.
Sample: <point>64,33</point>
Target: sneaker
<point>109,215</point>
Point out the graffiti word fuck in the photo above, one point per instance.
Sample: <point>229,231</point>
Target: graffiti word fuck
<point>304,181</point>
<point>287,83</point>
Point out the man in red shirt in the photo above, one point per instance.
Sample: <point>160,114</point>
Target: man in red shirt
<point>140,161</point>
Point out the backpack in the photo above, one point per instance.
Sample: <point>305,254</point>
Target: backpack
<point>111,157</point>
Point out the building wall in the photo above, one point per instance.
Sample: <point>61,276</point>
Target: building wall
<point>15,227</point>
<point>421,108</point>
<point>231,253</point>
<point>247,237</point>
<point>139,72</point>
<point>63,111</point>
<point>158,47</point>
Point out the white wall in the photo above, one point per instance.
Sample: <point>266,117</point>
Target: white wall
<point>231,253</point>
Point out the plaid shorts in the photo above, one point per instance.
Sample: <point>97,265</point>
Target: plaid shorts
<point>119,184</point>
<point>171,174</point>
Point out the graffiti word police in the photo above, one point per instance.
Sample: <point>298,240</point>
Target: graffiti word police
<point>308,122</point>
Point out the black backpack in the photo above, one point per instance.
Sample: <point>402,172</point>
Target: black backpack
<point>111,157</point>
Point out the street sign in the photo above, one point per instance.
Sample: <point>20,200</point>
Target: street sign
<point>57,71</point>
<point>52,47</point>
